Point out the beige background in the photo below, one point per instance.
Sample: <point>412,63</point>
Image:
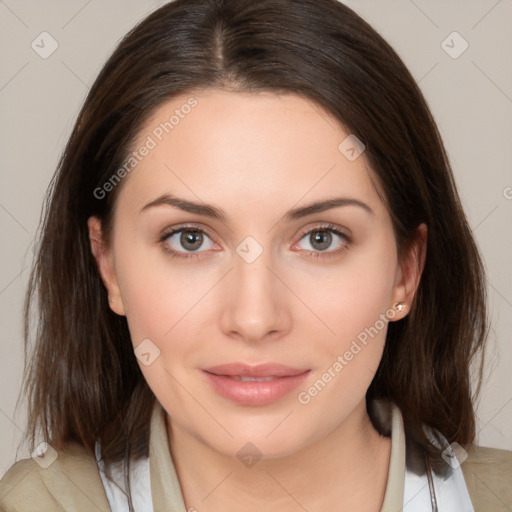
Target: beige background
<point>470,96</point>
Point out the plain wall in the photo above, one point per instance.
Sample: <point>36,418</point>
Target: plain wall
<point>470,97</point>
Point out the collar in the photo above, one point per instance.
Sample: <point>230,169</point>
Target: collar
<point>166,490</point>
<point>165,487</point>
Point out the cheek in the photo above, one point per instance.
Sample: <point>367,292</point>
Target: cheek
<point>157,292</point>
<point>353,301</point>
<point>357,311</point>
<point>162,303</point>
<point>351,297</point>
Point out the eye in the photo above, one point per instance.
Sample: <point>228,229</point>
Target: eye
<point>185,239</point>
<point>321,238</point>
<point>185,242</point>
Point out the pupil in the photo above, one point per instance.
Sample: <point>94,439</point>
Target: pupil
<point>318,236</point>
<point>188,237</point>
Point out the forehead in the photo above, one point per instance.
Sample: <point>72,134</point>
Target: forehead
<point>246,150</point>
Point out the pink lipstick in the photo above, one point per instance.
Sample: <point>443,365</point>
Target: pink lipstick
<point>254,384</point>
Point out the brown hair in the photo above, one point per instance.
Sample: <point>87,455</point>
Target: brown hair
<point>83,381</point>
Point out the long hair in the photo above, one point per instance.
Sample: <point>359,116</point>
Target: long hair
<point>82,378</point>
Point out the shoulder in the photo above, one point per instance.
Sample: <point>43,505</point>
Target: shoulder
<point>69,482</point>
<point>488,476</point>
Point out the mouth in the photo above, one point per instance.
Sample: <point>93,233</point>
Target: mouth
<point>254,385</point>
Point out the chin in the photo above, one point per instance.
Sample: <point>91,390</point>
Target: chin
<point>258,443</point>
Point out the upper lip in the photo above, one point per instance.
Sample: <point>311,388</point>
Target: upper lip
<point>258,370</point>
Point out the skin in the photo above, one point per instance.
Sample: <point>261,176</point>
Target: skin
<point>255,156</point>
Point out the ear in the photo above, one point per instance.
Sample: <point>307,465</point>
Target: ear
<point>103,258</point>
<point>409,272</point>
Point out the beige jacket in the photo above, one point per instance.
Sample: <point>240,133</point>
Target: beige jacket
<point>72,482</point>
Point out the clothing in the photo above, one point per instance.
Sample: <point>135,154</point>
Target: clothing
<point>74,481</point>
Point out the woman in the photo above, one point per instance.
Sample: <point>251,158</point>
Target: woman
<point>256,285</point>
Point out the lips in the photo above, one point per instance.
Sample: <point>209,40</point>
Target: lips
<point>254,385</point>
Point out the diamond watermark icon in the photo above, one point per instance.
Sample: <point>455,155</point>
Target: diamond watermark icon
<point>249,455</point>
<point>44,454</point>
<point>454,45</point>
<point>454,455</point>
<point>44,45</point>
<point>147,352</point>
<point>351,147</point>
<point>249,249</point>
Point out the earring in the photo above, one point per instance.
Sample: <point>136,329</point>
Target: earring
<point>400,306</point>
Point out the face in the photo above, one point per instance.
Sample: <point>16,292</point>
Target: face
<point>250,276</point>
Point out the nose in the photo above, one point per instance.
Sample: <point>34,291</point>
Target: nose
<point>255,307</point>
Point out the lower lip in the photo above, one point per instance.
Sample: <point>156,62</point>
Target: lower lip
<point>253,392</point>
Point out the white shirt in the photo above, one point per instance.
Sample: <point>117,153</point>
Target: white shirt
<point>116,492</point>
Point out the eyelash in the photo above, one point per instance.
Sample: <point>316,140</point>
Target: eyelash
<point>311,254</point>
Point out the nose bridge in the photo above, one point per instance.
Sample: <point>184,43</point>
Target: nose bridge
<point>254,305</point>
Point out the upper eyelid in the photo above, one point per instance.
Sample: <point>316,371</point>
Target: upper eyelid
<point>327,227</point>
<point>189,226</point>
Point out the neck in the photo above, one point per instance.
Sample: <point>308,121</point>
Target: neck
<point>346,470</point>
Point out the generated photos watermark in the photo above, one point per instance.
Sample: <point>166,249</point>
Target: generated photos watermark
<point>151,142</point>
<point>305,397</point>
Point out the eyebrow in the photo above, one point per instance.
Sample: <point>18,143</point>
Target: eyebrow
<point>213,212</point>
